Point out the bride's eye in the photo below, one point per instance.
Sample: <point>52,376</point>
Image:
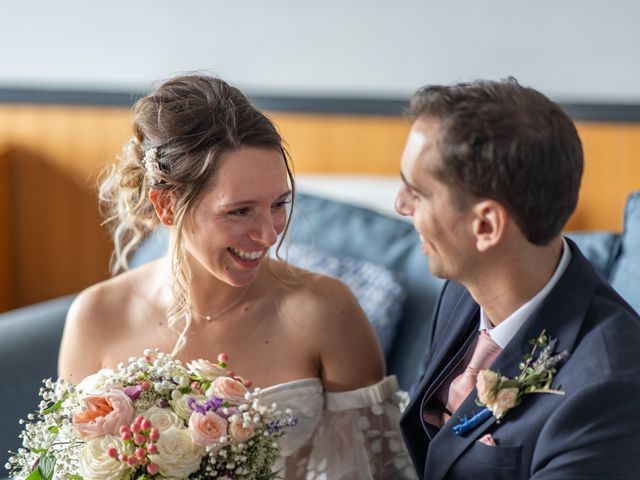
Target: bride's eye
<point>240,212</point>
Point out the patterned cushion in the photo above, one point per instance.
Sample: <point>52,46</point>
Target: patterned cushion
<point>625,276</point>
<point>379,292</point>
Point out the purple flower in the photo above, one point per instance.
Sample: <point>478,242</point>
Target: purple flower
<point>211,404</point>
<point>133,391</point>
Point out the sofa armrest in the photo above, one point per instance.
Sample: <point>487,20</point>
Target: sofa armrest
<point>29,343</point>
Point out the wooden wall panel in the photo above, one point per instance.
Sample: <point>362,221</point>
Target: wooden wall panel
<point>58,150</point>
<point>612,171</point>
<point>6,254</point>
<point>344,144</point>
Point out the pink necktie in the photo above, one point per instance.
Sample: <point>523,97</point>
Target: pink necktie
<point>484,354</point>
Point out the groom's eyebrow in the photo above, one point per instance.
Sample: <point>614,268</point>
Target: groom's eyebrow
<point>408,185</point>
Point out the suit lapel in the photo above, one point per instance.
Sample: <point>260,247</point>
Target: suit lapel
<point>455,336</point>
<point>561,315</point>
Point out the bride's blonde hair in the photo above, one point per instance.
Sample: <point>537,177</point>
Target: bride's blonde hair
<point>179,131</point>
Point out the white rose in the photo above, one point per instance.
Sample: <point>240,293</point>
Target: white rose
<point>95,464</point>
<point>206,370</point>
<point>178,456</point>
<point>99,381</point>
<point>163,419</point>
<point>181,407</point>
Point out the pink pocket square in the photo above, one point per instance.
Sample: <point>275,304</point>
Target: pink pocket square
<point>487,439</point>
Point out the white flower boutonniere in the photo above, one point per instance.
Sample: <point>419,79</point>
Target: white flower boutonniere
<point>498,394</point>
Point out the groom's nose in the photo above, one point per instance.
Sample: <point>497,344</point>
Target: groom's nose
<point>402,204</point>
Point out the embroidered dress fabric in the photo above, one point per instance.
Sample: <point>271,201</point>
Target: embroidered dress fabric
<point>348,435</point>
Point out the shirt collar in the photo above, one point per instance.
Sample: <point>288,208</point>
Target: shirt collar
<point>504,332</point>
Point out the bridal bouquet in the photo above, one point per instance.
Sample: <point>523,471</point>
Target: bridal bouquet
<point>151,419</point>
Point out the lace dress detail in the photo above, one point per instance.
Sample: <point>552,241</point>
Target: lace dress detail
<point>347,435</point>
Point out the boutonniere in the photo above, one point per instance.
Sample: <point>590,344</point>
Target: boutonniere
<point>499,394</point>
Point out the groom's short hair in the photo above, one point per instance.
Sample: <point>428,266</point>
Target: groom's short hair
<point>510,143</point>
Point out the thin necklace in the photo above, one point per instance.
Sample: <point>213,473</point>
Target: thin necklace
<point>210,318</point>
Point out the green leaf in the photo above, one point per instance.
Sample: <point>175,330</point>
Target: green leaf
<point>35,475</point>
<point>53,429</point>
<point>55,406</point>
<point>76,477</point>
<point>184,390</point>
<point>47,466</point>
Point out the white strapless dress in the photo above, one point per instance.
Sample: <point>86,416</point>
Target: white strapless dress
<point>347,435</point>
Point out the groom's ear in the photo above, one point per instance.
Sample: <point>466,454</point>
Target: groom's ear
<point>489,223</point>
<point>163,204</point>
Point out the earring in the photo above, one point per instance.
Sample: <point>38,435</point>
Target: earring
<point>169,221</point>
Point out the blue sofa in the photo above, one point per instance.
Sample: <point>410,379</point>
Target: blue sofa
<point>30,336</point>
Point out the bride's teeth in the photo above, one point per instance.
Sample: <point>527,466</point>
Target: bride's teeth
<point>247,255</point>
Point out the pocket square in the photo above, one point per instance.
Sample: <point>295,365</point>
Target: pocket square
<point>487,439</point>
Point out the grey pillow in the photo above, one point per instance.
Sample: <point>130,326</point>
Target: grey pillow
<point>379,292</point>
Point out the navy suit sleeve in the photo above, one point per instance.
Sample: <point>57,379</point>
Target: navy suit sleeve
<point>595,434</point>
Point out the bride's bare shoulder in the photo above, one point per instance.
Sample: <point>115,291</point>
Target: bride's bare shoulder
<point>329,320</point>
<point>97,315</point>
<point>112,297</point>
<point>314,296</point>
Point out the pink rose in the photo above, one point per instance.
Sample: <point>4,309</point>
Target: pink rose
<point>486,385</point>
<point>104,413</point>
<point>506,398</point>
<point>208,428</point>
<point>239,432</point>
<point>228,389</point>
<point>206,370</point>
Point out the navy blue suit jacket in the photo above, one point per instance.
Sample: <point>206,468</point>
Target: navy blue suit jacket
<point>593,431</point>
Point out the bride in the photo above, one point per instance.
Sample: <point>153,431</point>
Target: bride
<point>213,170</point>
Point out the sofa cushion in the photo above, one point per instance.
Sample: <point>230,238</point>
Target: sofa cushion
<point>378,290</point>
<point>625,275</point>
<point>601,248</point>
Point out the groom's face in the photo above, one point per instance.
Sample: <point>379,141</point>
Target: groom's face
<point>444,228</point>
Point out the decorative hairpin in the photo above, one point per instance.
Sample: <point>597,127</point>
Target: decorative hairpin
<point>151,165</point>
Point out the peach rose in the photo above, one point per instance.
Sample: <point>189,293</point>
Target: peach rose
<point>228,389</point>
<point>486,384</point>
<point>206,370</point>
<point>104,413</point>
<point>207,429</point>
<point>239,432</point>
<point>506,398</point>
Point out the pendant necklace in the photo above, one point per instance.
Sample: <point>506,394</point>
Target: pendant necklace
<point>210,318</point>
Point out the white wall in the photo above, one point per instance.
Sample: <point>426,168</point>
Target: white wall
<point>574,50</point>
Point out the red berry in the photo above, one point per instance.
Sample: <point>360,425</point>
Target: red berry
<point>112,452</point>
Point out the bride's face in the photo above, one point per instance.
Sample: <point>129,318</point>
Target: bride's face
<point>230,228</point>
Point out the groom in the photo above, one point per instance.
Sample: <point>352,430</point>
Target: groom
<point>491,173</point>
